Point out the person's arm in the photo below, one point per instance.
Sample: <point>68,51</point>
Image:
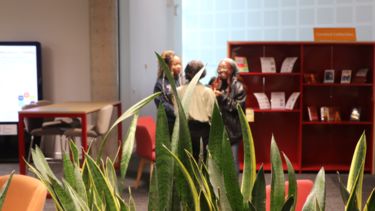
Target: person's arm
<point>163,99</point>
<point>229,103</point>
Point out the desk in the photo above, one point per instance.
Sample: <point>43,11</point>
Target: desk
<point>68,109</point>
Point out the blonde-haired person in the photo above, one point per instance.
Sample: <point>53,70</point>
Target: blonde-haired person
<point>162,85</point>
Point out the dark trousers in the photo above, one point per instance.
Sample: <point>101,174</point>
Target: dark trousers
<point>198,131</point>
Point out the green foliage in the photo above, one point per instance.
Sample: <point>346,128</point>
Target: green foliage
<point>352,194</point>
<point>4,189</point>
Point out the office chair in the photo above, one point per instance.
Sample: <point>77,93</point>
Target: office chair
<point>103,122</point>
<point>304,187</point>
<point>38,127</point>
<point>25,193</point>
<point>145,144</point>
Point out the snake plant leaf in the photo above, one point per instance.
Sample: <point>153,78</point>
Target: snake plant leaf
<point>188,178</point>
<point>344,193</point>
<point>102,185</point>
<point>128,145</point>
<point>4,189</point>
<point>277,175</point>
<point>292,182</point>
<point>317,196</point>
<point>153,193</point>
<point>216,135</point>
<point>110,173</point>
<point>217,181</point>
<point>258,199</point>
<point>131,201</point>
<point>41,164</point>
<point>370,204</point>
<point>128,113</point>
<point>249,170</point>
<point>77,199</point>
<point>64,197</point>
<point>357,168</point>
<point>289,203</point>
<point>73,176</point>
<point>352,203</point>
<point>74,152</point>
<point>163,171</point>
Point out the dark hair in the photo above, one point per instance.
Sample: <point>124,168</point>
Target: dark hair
<point>193,68</point>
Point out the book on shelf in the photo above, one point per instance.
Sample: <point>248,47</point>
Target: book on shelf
<point>329,76</point>
<point>329,114</point>
<point>277,100</point>
<point>312,111</point>
<point>291,101</point>
<point>346,76</point>
<point>242,64</point>
<point>262,99</point>
<point>310,78</point>
<point>324,113</point>
<point>288,64</point>
<point>268,64</point>
<point>249,114</point>
<point>360,76</point>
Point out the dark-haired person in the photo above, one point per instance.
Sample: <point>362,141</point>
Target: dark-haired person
<point>162,85</point>
<point>201,104</point>
<point>229,93</point>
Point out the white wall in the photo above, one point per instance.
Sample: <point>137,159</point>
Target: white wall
<point>62,27</point>
<point>145,27</point>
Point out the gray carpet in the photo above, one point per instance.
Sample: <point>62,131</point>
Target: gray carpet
<point>333,198</point>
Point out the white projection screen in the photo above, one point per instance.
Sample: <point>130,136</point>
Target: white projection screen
<point>20,77</point>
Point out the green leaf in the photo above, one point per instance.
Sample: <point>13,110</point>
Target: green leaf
<point>188,178</point>
<point>259,191</point>
<point>111,175</point>
<point>352,203</point>
<point>77,200</point>
<point>344,193</point>
<point>217,181</point>
<point>292,182</point>
<point>63,196</point>
<point>216,135</point>
<point>288,205</point>
<point>370,204</point>
<point>249,170</point>
<point>128,145</point>
<point>41,164</point>
<point>5,189</point>
<point>102,185</point>
<point>73,176</point>
<point>128,113</point>
<point>317,196</point>
<point>74,152</point>
<point>153,193</point>
<point>357,168</point>
<point>164,172</point>
<point>277,175</point>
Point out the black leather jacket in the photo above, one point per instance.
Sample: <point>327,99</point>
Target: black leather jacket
<point>228,107</point>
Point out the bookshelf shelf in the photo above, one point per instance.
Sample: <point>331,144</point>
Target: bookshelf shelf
<point>311,144</point>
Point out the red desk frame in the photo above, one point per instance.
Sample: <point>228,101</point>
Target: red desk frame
<point>69,109</point>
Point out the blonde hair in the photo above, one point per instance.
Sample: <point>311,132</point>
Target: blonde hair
<point>167,56</point>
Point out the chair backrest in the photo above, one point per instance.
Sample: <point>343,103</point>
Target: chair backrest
<point>25,193</point>
<point>145,137</point>
<point>304,187</point>
<point>104,119</point>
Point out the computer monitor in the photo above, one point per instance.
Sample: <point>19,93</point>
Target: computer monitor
<point>20,77</point>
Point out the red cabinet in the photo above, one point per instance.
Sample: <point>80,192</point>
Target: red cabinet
<point>311,144</point>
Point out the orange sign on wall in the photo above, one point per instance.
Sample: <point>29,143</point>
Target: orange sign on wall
<point>334,34</point>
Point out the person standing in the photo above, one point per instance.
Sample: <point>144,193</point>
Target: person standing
<point>162,85</point>
<point>230,92</point>
<point>201,104</point>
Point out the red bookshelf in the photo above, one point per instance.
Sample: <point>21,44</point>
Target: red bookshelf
<point>311,144</point>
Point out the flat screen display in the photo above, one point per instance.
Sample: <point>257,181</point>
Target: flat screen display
<point>20,77</point>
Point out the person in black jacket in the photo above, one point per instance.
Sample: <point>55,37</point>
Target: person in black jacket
<point>229,93</point>
<point>162,85</point>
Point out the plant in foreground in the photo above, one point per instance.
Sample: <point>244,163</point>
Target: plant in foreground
<point>4,189</point>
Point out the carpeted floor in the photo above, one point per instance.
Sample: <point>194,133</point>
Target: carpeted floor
<point>333,198</point>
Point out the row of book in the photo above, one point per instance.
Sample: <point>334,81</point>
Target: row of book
<point>329,114</point>
<point>346,76</point>
<point>268,64</point>
<point>277,100</point>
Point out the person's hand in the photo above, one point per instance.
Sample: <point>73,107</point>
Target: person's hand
<point>218,93</point>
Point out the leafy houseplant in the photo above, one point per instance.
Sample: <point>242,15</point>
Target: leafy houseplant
<point>352,193</point>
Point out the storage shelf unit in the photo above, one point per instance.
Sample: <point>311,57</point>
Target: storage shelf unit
<point>310,144</point>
